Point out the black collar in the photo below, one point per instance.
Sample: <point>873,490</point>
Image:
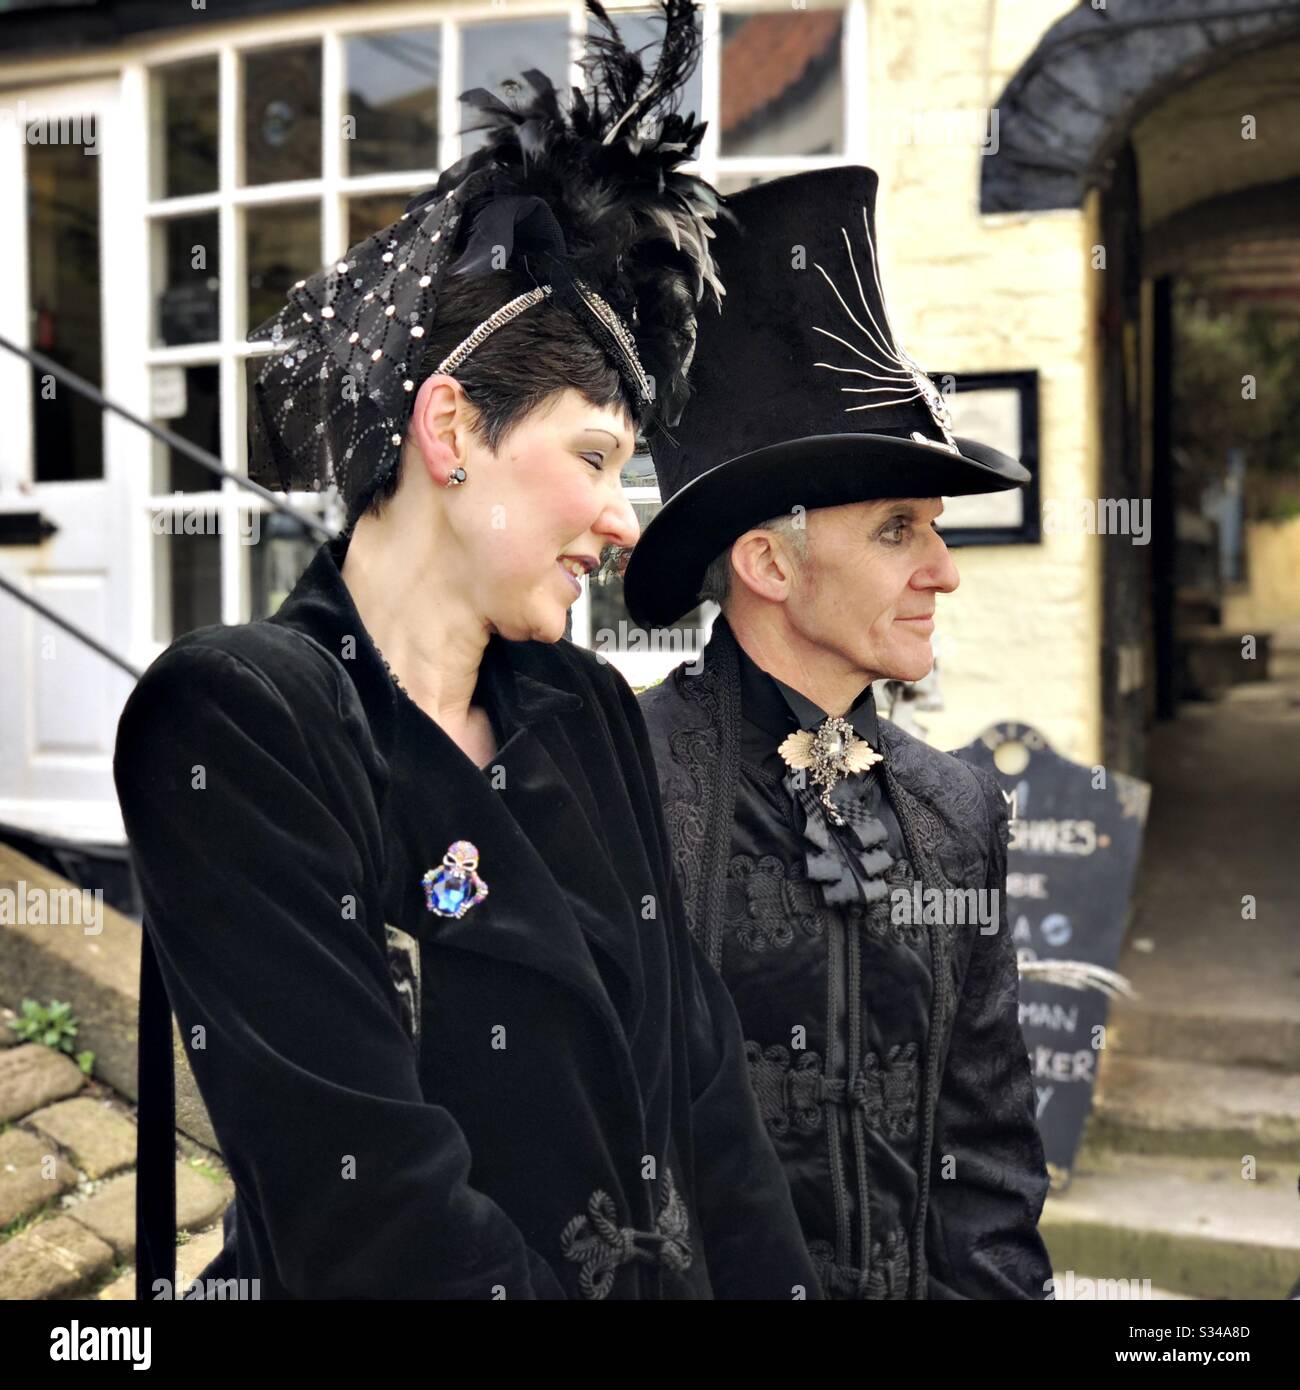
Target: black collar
<point>515,678</point>
<point>771,710</point>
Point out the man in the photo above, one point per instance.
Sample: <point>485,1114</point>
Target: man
<point>801,490</point>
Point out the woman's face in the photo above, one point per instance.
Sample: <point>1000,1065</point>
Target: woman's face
<point>528,516</point>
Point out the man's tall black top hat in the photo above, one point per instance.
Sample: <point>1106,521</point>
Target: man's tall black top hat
<point>802,395</point>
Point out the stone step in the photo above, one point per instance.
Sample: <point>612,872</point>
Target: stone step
<point>94,966</point>
<point>1160,1106</point>
<point>1267,1036</point>
<point>1190,1226</point>
<point>1080,1289</point>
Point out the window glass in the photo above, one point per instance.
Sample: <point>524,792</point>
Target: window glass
<point>727,184</point>
<point>282,89</point>
<point>279,550</point>
<point>391,107</point>
<point>64,307</point>
<point>187,573</point>
<point>187,262</point>
<point>642,31</point>
<point>496,53</point>
<point>191,397</point>
<point>185,116</point>
<point>283,248</point>
<point>781,86</point>
<point>370,214</point>
<point>611,623</point>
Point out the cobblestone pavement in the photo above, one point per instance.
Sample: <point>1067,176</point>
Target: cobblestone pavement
<point>67,1182</point>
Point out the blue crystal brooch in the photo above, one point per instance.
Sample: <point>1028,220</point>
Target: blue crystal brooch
<point>450,891</point>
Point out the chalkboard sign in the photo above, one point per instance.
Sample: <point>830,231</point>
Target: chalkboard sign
<point>1076,835</point>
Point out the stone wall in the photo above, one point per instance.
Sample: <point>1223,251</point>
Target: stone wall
<point>1021,636</point>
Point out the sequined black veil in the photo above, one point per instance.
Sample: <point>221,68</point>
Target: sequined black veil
<point>329,405</point>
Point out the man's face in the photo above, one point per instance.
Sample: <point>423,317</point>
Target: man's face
<point>866,591</point>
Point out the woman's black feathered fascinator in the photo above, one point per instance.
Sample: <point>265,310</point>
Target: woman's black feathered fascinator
<point>588,202</point>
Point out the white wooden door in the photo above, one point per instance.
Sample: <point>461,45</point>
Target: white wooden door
<point>74,280</point>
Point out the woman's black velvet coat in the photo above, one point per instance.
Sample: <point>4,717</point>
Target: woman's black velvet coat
<point>565,1111</point>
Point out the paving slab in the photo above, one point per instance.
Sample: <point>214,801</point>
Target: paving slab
<point>32,1173</point>
<point>110,1213</point>
<point>95,966</point>
<point>32,1076</point>
<point>121,1290</point>
<point>192,1258</point>
<point>52,1259</point>
<point>96,1134</point>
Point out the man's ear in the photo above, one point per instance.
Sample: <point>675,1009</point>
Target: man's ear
<point>439,427</point>
<point>762,565</point>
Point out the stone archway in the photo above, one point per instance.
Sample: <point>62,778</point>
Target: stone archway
<point>1067,112</point>
<point>1141,102</point>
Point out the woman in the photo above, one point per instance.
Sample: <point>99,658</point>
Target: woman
<point>403,860</point>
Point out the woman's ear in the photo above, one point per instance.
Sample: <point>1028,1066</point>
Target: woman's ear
<point>439,427</point>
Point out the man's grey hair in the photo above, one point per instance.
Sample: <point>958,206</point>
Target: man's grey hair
<point>717,578</point>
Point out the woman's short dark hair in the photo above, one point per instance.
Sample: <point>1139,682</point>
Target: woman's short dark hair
<point>516,369</point>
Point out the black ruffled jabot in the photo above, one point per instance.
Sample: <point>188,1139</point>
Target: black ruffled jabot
<point>845,874</point>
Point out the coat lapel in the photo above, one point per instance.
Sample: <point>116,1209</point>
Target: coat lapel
<point>546,793</point>
<point>552,892</point>
<point>924,832</point>
<point>527,918</point>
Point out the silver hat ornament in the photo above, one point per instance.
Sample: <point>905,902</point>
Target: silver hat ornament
<point>895,365</point>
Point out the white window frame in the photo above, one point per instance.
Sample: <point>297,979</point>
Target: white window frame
<point>227,42</point>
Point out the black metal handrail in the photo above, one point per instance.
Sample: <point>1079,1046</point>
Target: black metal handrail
<point>192,451</point>
<point>48,613</point>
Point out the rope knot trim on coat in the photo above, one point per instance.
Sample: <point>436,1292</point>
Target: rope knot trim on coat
<point>600,1245</point>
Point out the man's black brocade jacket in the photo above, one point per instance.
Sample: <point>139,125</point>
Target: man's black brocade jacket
<point>886,1054</point>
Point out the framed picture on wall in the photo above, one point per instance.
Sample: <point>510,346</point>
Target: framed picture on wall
<point>999,409</point>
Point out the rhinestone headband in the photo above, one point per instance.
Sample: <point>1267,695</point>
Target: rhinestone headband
<point>490,324</point>
<point>605,312</point>
<point>595,302</point>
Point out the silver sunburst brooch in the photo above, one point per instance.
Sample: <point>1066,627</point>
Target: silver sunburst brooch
<point>833,752</point>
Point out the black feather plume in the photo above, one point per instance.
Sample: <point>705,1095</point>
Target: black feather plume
<point>635,227</point>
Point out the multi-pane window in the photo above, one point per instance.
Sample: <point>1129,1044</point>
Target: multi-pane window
<point>271,159</point>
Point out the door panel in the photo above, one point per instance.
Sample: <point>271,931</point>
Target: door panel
<point>59,700</point>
